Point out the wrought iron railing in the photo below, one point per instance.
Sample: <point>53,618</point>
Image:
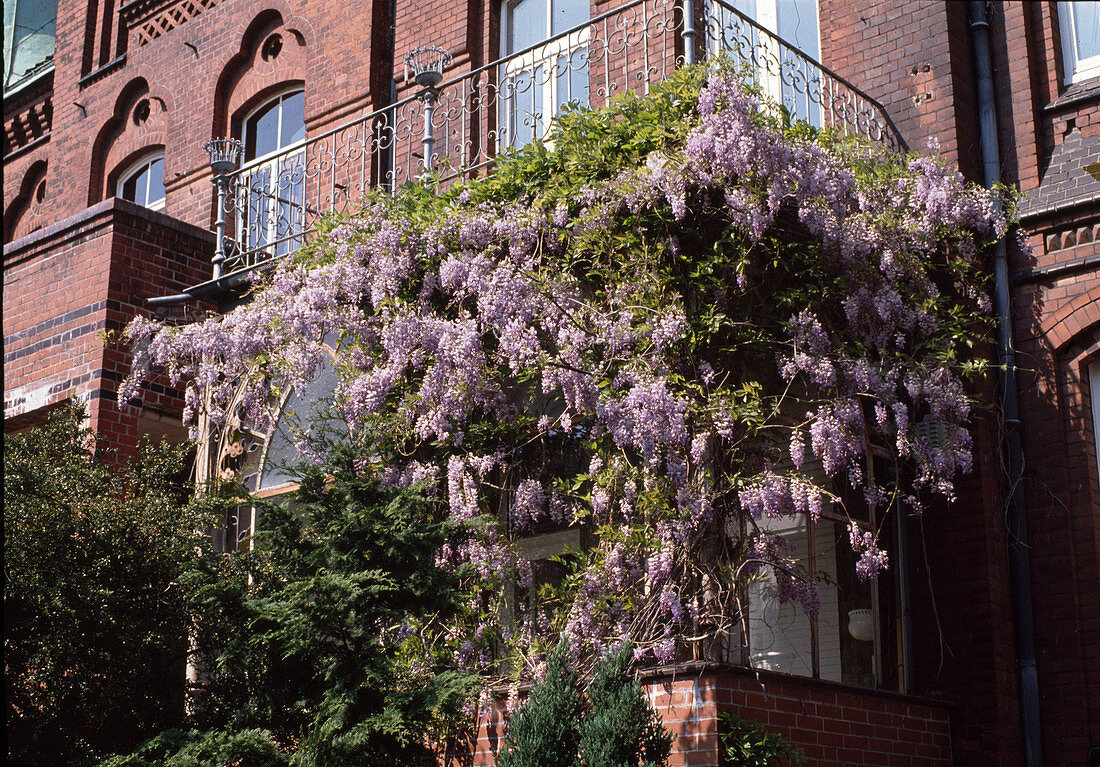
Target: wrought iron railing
<point>457,128</point>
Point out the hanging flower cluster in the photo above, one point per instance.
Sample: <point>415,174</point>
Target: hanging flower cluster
<point>656,340</point>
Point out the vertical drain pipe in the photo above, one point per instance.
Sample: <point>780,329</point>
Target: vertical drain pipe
<point>1018,552</point>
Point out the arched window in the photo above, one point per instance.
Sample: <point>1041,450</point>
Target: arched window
<point>536,83</point>
<point>273,175</point>
<point>143,183</point>
<point>262,456</point>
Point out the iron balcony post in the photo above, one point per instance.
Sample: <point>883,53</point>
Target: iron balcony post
<point>430,95</point>
<point>427,65</point>
<point>224,153</point>
<point>689,33</point>
<point>221,184</point>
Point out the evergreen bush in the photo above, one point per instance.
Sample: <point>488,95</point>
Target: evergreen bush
<point>620,727</point>
<point>617,728</point>
<point>545,731</point>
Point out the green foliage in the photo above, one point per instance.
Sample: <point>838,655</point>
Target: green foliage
<point>545,731</point>
<point>192,748</point>
<point>307,637</point>
<point>95,630</point>
<point>617,728</point>
<point>593,145</point>
<point>620,728</point>
<point>747,744</point>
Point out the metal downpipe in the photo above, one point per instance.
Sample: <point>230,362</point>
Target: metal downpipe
<point>1018,551</point>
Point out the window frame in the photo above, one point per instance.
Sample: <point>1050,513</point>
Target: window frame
<point>1076,69</point>
<point>884,592</point>
<point>766,13</point>
<point>135,169</point>
<point>545,56</point>
<point>283,162</point>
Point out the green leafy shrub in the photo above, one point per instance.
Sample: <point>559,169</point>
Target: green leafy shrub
<point>95,631</point>
<point>317,636</point>
<point>747,744</point>
<point>192,748</point>
<point>620,727</point>
<point>545,731</point>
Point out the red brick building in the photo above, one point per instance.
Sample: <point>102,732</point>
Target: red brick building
<point>108,202</point>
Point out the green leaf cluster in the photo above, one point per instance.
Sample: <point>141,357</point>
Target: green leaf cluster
<point>192,748</point>
<point>309,637</point>
<point>744,743</point>
<point>95,632</point>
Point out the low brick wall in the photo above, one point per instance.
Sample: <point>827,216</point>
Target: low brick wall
<point>833,724</point>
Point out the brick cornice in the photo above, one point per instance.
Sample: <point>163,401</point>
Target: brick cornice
<point>91,218</point>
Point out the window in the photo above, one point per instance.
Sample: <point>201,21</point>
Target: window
<point>272,180</point>
<point>144,183</point>
<point>262,457</point>
<point>28,38</point>
<point>1080,27</point>
<point>782,74</point>
<point>854,636</point>
<point>1094,389</point>
<point>536,82</point>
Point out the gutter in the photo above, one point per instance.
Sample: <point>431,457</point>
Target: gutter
<point>1015,511</point>
<point>202,290</point>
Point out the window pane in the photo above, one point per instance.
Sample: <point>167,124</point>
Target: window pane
<point>129,188</point>
<point>262,132</point>
<point>1086,18</point>
<point>568,14</point>
<point>798,25</point>
<point>28,36</point>
<point>304,411</point>
<point>779,632</point>
<point>141,187</point>
<point>293,127</point>
<point>156,181</point>
<point>527,24</point>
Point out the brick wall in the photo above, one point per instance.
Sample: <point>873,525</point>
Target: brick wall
<point>1049,132</point>
<point>199,76</point>
<point>67,287</point>
<point>832,724</point>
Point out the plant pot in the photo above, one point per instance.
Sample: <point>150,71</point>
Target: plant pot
<point>861,625</point>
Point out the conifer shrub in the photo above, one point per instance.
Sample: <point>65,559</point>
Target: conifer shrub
<point>620,727</point>
<point>192,748</point>
<point>545,731</point>
<point>617,728</point>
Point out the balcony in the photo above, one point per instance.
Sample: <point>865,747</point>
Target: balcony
<point>453,129</point>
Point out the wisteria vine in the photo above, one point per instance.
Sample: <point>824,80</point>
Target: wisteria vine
<point>686,318</point>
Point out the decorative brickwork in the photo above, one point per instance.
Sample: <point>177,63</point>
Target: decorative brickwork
<point>146,21</point>
<point>27,121</point>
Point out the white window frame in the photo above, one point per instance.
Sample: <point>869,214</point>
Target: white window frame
<point>1077,69</point>
<point>766,14</point>
<point>136,169</point>
<point>542,65</point>
<point>282,162</point>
